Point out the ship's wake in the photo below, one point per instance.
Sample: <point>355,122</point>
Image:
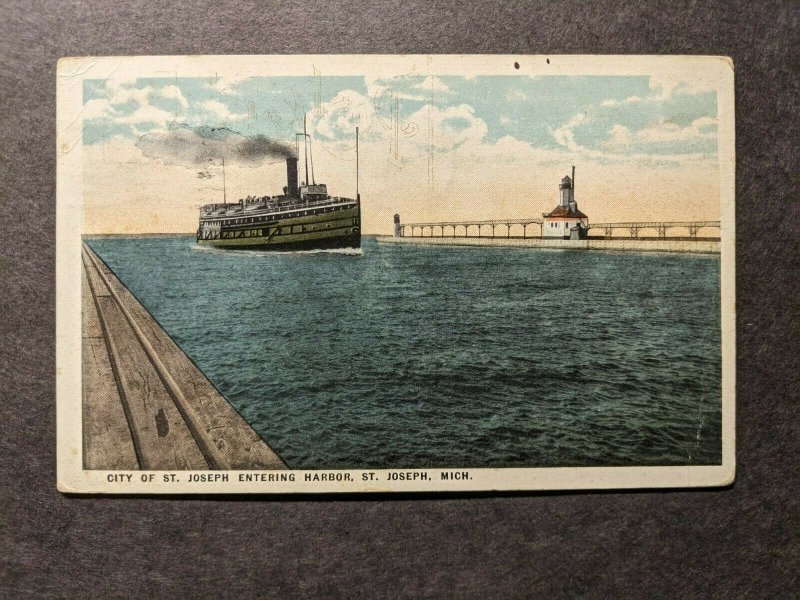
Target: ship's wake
<point>228,252</point>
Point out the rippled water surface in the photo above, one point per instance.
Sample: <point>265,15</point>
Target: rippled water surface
<point>414,356</point>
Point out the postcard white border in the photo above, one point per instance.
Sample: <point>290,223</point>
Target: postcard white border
<point>73,479</point>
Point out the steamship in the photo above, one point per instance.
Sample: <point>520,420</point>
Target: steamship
<point>304,217</point>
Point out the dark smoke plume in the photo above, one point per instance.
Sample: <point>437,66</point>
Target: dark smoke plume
<point>197,146</point>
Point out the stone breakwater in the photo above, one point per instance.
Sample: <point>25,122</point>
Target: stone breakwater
<point>617,245</point>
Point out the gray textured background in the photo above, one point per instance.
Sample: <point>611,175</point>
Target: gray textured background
<point>742,540</point>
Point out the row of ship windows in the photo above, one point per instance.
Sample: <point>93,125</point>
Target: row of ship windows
<point>302,213</point>
<point>246,233</point>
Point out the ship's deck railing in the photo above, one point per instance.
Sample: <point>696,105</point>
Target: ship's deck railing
<point>269,203</point>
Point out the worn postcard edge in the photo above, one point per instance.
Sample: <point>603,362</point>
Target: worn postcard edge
<point>72,478</point>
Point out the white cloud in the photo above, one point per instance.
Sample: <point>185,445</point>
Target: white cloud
<point>99,109</point>
<point>623,142</point>
<point>626,101</point>
<point>117,95</point>
<point>669,96</point>
<point>396,87</point>
<point>339,117</point>
<point>663,132</point>
<point>147,114</point>
<point>665,88</point>
<point>431,83</point>
<point>122,93</point>
<point>428,128</point>
<point>516,95</point>
<point>219,110</point>
<point>620,136</point>
<point>669,86</point>
<point>225,85</point>
<point>565,136</point>
<point>375,85</point>
<point>173,92</point>
<point>451,127</point>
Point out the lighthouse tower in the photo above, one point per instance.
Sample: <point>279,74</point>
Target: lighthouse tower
<point>566,193</point>
<point>565,221</point>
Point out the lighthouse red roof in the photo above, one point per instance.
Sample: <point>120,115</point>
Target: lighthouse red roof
<point>565,211</point>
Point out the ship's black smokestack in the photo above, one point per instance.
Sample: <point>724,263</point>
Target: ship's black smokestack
<point>291,176</point>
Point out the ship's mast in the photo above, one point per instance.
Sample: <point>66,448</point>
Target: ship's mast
<point>357,196</point>
<point>310,155</point>
<point>305,145</point>
<point>224,193</point>
<point>311,158</point>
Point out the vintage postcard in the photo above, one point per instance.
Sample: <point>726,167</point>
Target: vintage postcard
<point>291,274</point>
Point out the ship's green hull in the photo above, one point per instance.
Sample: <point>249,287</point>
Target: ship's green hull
<point>329,243</point>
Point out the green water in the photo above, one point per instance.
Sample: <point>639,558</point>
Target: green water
<point>415,356</point>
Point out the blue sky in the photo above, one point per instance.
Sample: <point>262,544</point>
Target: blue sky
<point>607,117</point>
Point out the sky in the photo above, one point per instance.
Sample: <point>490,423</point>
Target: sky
<point>431,148</point>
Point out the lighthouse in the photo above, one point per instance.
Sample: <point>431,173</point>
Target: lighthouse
<point>565,221</point>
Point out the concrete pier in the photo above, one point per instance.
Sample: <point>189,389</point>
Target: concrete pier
<point>619,245</point>
<point>145,403</point>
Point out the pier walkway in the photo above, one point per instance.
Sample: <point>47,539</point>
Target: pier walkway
<point>145,403</point>
<point>634,227</point>
<point>479,228</point>
<point>518,228</point>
